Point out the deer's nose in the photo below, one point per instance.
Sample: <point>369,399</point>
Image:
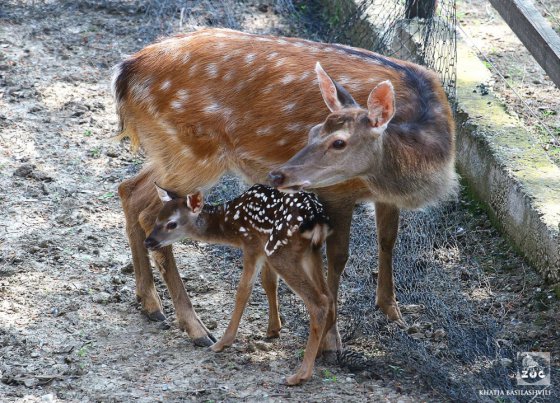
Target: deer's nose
<point>276,178</point>
<point>150,243</point>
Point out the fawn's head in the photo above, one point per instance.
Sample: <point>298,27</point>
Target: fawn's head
<point>176,220</point>
<point>346,145</point>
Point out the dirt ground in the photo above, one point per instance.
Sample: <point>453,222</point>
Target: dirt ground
<point>70,328</point>
<point>518,80</point>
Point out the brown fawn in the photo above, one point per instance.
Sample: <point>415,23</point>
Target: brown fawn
<point>216,100</point>
<point>284,230</point>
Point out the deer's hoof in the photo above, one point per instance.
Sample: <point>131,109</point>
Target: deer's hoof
<point>272,334</point>
<point>204,341</point>
<point>393,313</point>
<point>156,316</point>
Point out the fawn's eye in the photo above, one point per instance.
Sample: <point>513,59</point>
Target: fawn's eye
<point>171,225</point>
<point>338,144</point>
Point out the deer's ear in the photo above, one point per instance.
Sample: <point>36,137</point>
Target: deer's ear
<point>195,202</point>
<point>165,195</point>
<point>381,104</point>
<point>334,95</point>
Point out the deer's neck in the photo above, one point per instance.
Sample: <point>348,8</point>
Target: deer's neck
<point>411,175</point>
<point>211,226</point>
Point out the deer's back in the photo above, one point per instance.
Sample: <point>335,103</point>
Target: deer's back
<point>246,102</point>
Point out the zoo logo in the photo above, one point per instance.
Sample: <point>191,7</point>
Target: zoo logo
<point>533,368</point>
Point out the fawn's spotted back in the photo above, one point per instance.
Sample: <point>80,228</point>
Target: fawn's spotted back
<point>267,210</point>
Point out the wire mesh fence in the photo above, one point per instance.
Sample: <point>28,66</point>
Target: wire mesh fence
<point>452,344</point>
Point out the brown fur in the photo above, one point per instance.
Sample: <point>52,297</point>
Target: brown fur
<point>251,102</point>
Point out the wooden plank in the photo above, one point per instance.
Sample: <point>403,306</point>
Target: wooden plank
<point>535,33</point>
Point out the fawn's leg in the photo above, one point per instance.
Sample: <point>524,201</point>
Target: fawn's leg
<point>269,280</point>
<point>187,318</point>
<point>387,220</point>
<point>133,203</point>
<point>317,301</point>
<point>251,268</point>
<point>314,261</point>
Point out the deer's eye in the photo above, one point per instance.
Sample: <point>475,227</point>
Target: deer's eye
<point>171,225</point>
<point>338,144</point>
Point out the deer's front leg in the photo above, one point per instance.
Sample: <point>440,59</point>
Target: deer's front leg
<point>251,270</point>
<point>387,221</point>
<point>187,319</point>
<point>340,214</point>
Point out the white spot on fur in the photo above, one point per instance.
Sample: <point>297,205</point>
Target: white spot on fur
<point>228,76</point>
<point>250,58</point>
<point>186,57</point>
<point>183,94</point>
<point>289,107</point>
<point>212,107</point>
<point>165,85</point>
<point>295,127</point>
<point>287,79</point>
<point>268,88</point>
<point>263,131</point>
<point>282,142</point>
<point>177,105</point>
<point>212,70</point>
<point>192,69</point>
<point>272,55</point>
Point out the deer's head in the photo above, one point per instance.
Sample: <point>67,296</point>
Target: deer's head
<point>176,220</point>
<point>346,145</point>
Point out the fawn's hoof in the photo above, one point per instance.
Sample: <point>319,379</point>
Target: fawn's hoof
<point>156,316</point>
<point>218,347</point>
<point>294,380</point>
<point>204,341</point>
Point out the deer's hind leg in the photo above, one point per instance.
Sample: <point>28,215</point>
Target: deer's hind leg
<point>304,276</point>
<point>134,202</point>
<point>269,280</point>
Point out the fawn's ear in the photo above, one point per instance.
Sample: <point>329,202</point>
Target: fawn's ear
<point>165,195</point>
<point>334,95</point>
<point>195,202</point>
<point>381,104</point>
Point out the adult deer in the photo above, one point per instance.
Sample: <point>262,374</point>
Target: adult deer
<point>284,230</point>
<point>215,100</point>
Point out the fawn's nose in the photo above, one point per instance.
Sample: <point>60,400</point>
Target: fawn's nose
<point>276,178</point>
<point>150,243</point>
